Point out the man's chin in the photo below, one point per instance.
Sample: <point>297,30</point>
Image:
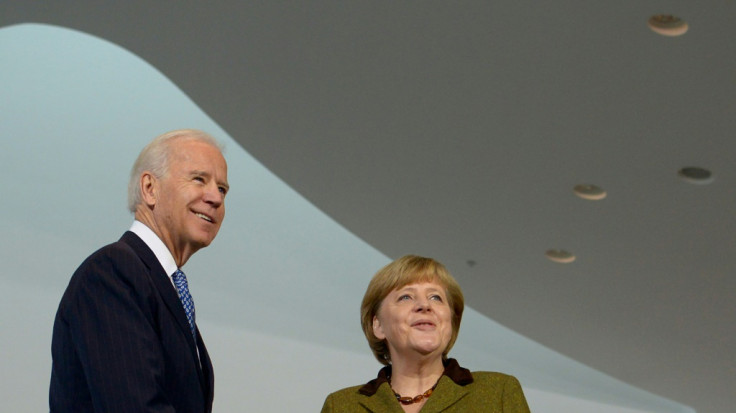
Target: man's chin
<point>205,242</point>
<point>205,238</point>
<point>199,243</point>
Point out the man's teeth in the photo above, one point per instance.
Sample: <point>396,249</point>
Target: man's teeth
<point>203,216</point>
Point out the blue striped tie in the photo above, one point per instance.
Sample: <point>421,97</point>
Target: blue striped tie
<point>180,280</point>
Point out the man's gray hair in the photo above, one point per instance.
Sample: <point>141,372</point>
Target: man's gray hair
<point>154,158</point>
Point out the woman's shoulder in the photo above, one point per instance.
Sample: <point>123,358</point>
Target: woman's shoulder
<point>464,377</point>
<point>503,388</point>
<point>351,391</point>
<point>339,400</point>
<point>491,375</point>
<point>341,396</point>
<point>493,378</point>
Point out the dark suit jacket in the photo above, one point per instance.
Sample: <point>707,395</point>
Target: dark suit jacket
<point>484,392</point>
<point>121,341</point>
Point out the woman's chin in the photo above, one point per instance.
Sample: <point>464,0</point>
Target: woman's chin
<point>428,349</point>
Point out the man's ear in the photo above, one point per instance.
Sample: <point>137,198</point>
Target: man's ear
<point>149,188</point>
<point>378,329</point>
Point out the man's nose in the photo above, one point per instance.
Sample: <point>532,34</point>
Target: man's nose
<point>213,195</point>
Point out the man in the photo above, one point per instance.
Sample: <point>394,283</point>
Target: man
<point>124,337</point>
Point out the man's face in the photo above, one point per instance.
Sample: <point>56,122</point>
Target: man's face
<point>190,204</point>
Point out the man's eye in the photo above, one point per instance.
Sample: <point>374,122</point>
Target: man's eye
<point>223,190</point>
<point>199,179</point>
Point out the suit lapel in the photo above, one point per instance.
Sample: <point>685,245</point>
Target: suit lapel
<point>168,293</point>
<point>208,375</point>
<point>445,395</point>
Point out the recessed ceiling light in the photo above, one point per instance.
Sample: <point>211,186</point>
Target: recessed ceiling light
<point>667,25</point>
<point>695,175</point>
<point>589,192</point>
<point>560,256</point>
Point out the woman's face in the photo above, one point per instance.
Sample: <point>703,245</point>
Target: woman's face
<point>415,320</point>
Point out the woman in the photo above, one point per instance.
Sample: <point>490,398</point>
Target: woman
<point>411,316</point>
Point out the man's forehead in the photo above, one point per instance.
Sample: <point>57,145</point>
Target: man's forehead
<point>204,155</point>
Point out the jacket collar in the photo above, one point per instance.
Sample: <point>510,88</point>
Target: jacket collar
<point>450,389</point>
<point>461,376</point>
<point>163,283</point>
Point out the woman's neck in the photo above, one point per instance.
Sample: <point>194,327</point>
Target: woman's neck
<point>413,377</point>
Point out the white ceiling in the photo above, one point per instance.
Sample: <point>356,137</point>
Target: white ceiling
<point>457,130</point>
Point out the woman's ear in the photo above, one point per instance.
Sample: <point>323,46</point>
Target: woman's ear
<point>378,329</point>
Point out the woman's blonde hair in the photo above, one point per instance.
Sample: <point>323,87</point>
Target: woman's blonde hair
<point>406,270</point>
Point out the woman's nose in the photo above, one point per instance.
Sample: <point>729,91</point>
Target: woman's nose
<point>422,304</point>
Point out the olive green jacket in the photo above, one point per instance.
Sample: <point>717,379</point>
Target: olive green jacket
<point>488,392</point>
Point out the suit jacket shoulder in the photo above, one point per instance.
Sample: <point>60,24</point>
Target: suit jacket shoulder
<point>119,262</point>
<point>121,341</point>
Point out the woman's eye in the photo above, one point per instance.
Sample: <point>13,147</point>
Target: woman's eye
<point>404,297</point>
<point>436,297</point>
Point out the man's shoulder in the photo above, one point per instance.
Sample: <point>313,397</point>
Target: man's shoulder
<point>116,267</point>
<point>119,257</point>
<point>121,249</point>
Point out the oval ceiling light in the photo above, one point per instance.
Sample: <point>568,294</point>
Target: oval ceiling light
<point>560,256</point>
<point>590,192</point>
<point>696,175</point>
<point>667,25</point>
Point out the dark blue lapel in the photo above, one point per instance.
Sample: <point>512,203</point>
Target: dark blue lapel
<point>169,296</point>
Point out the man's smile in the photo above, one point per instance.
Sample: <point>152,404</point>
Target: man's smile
<point>204,217</point>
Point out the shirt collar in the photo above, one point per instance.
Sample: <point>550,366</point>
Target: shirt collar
<point>158,247</point>
<point>459,375</point>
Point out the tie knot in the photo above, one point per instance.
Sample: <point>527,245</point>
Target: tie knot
<point>179,278</point>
